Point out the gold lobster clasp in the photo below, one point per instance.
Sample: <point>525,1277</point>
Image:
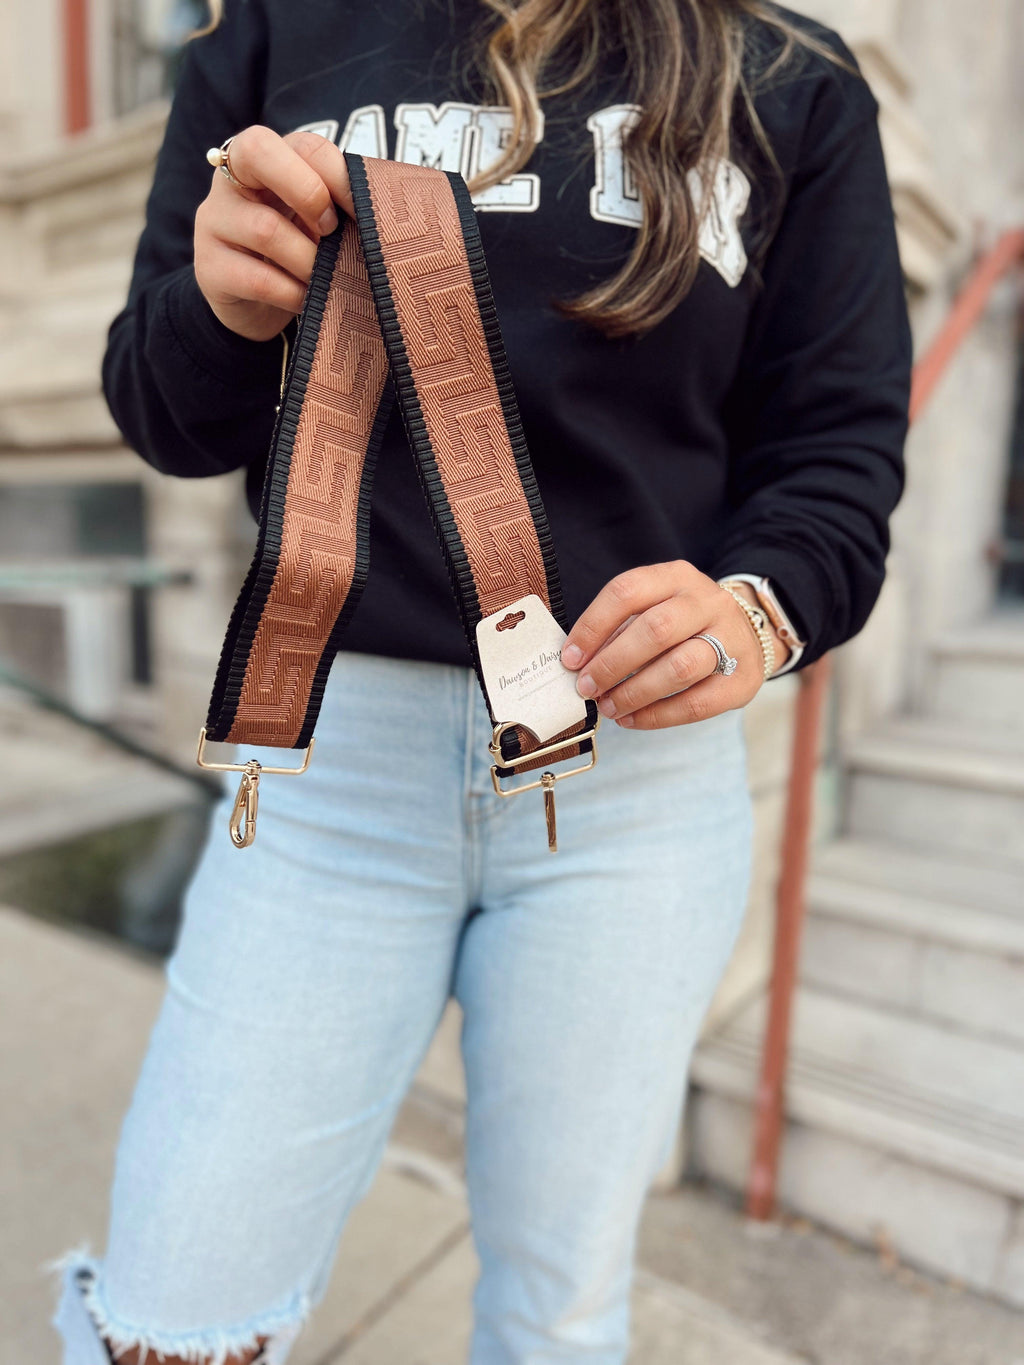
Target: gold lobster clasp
<point>242,822</point>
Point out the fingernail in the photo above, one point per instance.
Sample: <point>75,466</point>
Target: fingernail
<point>328,222</point>
<point>626,722</point>
<point>572,656</point>
<point>585,685</point>
<point>606,706</point>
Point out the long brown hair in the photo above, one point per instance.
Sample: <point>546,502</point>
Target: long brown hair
<point>694,67</point>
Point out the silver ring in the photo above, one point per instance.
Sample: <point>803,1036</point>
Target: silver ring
<point>218,159</point>
<point>726,664</point>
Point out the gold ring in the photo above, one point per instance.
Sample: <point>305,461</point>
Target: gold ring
<point>218,159</point>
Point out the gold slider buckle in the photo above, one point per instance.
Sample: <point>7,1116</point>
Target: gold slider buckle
<point>546,780</point>
<point>242,822</point>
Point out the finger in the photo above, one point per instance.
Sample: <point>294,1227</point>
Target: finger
<point>703,700</point>
<point>619,629</point>
<point>223,195</point>
<point>235,276</point>
<point>628,593</point>
<point>262,160</point>
<point>259,228</point>
<point>328,160</point>
<point>667,623</point>
<point>671,672</point>
<point>265,197</point>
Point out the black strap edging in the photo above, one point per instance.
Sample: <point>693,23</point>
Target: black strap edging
<point>460,572</point>
<point>252,598</point>
<point>459,569</point>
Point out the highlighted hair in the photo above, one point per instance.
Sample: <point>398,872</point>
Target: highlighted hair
<point>693,68</point>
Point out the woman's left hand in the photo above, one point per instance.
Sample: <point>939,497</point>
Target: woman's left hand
<point>637,656</point>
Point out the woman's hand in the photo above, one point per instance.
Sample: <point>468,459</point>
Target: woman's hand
<point>255,244</point>
<point>636,653</point>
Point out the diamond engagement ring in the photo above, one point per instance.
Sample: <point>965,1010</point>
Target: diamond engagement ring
<point>218,159</point>
<point>726,664</point>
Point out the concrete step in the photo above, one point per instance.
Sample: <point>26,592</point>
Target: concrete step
<point>977,676</point>
<point>935,786</point>
<point>944,953</point>
<point>936,876</point>
<point>908,1086</point>
<point>899,1129</point>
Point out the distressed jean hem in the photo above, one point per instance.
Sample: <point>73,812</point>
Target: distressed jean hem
<point>84,1319</point>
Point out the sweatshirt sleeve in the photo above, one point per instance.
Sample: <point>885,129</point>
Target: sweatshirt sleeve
<point>817,414</point>
<point>191,396</point>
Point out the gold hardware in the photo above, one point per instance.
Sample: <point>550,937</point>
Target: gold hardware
<point>242,824</point>
<point>546,780</point>
<point>284,371</point>
<point>495,750</point>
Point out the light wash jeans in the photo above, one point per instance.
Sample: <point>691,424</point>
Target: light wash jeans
<point>312,970</point>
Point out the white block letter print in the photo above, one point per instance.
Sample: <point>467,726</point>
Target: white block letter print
<point>324,127</point>
<point>614,197</point>
<point>719,237</point>
<point>432,136</point>
<point>520,193</point>
<point>365,132</point>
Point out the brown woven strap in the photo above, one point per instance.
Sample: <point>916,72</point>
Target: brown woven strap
<point>403,287</point>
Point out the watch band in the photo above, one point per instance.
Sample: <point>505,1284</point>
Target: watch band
<point>776,614</point>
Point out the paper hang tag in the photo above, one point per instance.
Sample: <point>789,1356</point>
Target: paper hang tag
<point>520,651</point>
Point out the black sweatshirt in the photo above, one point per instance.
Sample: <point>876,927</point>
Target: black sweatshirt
<point>759,428</point>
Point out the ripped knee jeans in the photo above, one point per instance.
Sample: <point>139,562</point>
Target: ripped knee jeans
<point>309,976</point>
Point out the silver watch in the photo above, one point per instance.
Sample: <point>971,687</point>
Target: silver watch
<point>772,608</point>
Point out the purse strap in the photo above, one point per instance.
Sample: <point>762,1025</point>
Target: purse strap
<point>400,293</point>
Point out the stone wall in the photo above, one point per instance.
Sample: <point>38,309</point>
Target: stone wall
<point>69,220</point>
<point>957,173</point>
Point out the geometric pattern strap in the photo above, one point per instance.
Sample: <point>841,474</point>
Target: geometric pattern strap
<point>312,554</point>
<point>451,378</point>
<point>403,289</point>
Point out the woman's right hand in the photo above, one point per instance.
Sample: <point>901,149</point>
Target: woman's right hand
<point>255,243</point>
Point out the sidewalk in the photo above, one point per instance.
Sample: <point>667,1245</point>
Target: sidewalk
<point>76,1012</point>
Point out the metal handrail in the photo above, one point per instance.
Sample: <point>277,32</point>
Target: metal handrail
<point>791,890</point>
<point>49,701</point>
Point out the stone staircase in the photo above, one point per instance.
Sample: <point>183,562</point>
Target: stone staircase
<point>905,1102</point>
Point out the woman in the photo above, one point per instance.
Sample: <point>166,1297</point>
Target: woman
<point>691,244</point>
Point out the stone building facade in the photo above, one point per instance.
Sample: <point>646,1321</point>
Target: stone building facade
<point>115,584</point>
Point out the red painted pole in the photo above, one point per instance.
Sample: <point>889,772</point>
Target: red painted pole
<point>789,916</point>
<point>791,893</point>
<point>966,310</point>
<point>77,91</point>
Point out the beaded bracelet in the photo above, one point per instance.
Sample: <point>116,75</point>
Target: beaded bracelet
<point>759,625</point>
